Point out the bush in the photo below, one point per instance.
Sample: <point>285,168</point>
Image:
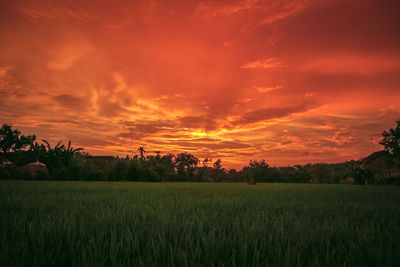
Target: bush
<point>4,174</point>
<point>41,175</point>
<point>362,176</point>
<point>22,174</point>
<point>133,173</point>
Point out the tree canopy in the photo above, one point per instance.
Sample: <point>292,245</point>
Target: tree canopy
<point>391,140</point>
<point>64,162</point>
<point>12,140</point>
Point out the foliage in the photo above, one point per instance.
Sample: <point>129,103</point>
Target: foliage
<point>391,140</point>
<point>12,140</point>
<point>67,163</point>
<point>185,164</point>
<point>260,171</point>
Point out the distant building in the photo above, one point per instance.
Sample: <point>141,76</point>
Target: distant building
<point>381,163</point>
<point>35,167</point>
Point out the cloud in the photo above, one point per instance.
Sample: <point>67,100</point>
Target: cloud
<point>66,56</point>
<point>353,64</point>
<point>138,130</point>
<point>285,9</point>
<point>70,102</point>
<point>106,108</point>
<point>269,63</point>
<point>111,15</point>
<point>196,122</point>
<point>268,89</point>
<point>235,79</point>
<point>208,10</point>
<point>61,121</point>
<point>217,145</point>
<point>6,81</point>
<point>3,71</point>
<point>274,113</point>
<point>264,12</point>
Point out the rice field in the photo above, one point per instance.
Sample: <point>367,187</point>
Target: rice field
<point>48,223</point>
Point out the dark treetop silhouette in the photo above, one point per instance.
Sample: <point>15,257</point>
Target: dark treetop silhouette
<point>63,162</point>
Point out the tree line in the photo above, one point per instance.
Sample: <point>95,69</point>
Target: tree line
<point>23,157</point>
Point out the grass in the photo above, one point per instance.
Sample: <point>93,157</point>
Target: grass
<point>196,224</point>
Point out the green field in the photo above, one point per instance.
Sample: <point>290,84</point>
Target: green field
<point>197,224</point>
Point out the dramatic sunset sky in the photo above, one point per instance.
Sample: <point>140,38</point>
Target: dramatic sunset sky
<point>288,81</point>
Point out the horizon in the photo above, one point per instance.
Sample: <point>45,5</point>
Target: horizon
<point>291,82</point>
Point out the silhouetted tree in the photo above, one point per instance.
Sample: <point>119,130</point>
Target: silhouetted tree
<point>258,164</point>
<point>119,172</point>
<point>391,140</point>
<point>65,162</point>
<point>206,161</point>
<point>217,164</point>
<point>185,164</point>
<point>12,140</point>
<point>133,172</point>
<point>259,171</point>
<point>141,152</point>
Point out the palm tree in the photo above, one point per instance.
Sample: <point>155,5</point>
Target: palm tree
<point>141,152</point>
<point>59,152</point>
<point>38,150</point>
<point>71,150</point>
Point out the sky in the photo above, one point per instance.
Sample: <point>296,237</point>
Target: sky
<point>288,81</point>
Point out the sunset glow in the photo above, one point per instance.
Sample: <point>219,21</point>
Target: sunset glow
<point>291,82</point>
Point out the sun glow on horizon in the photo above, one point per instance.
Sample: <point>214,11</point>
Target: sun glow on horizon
<point>287,81</point>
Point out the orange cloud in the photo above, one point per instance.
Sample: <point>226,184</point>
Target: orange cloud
<point>235,80</point>
<point>269,63</point>
<point>209,10</point>
<point>268,89</point>
<point>286,9</point>
<point>355,64</point>
<point>274,113</point>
